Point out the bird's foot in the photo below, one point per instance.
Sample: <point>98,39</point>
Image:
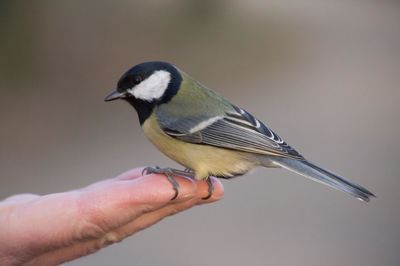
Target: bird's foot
<point>169,173</point>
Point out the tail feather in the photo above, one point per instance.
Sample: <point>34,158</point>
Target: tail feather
<point>316,173</point>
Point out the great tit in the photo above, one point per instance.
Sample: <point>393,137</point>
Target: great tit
<point>207,134</point>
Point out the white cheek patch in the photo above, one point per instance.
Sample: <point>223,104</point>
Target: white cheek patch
<point>153,87</point>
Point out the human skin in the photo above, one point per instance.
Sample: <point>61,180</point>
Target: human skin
<point>59,227</point>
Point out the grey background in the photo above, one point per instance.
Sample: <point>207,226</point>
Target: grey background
<point>324,75</point>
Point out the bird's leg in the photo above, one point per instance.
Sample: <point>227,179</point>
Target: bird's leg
<point>210,188</point>
<point>169,173</point>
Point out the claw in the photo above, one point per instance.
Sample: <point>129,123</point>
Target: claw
<point>151,170</point>
<point>210,188</point>
<point>175,184</point>
<point>144,171</point>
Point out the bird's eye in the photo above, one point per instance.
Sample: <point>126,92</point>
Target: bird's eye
<point>137,79</point>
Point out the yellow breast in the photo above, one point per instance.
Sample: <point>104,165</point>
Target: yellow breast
<point>204,160</point>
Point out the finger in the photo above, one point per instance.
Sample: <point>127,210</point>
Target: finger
<point>150,218</point>
<point>113,205</point>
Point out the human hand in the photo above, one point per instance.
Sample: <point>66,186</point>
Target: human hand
<point>55,228</point>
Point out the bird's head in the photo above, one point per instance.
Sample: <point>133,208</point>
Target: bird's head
<point>152,82</point>
<point>147,85</point>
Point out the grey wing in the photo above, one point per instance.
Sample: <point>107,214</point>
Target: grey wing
<point>236,129</point>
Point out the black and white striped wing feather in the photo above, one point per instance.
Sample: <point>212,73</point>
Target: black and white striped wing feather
<point>237,130</point>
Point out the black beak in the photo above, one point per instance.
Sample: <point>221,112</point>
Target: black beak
<point>114,95</point>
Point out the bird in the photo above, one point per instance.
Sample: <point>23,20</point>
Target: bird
<point>207,134</point>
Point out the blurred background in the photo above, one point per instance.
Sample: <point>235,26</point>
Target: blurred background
<point>324,75</point>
